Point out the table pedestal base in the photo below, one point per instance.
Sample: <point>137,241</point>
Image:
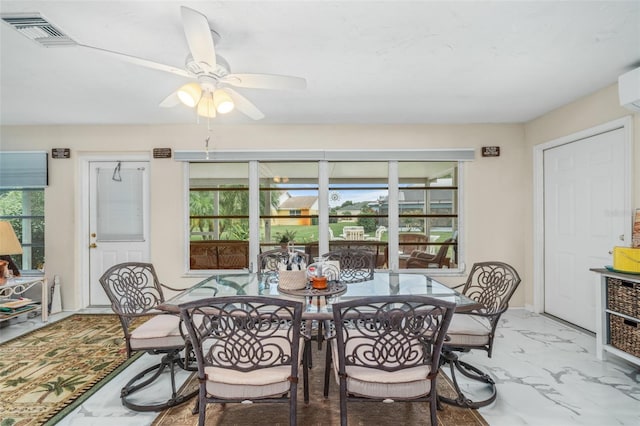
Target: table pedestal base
<point>468,370</point>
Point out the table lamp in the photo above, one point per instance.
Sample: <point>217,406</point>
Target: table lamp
<point>9,245</point>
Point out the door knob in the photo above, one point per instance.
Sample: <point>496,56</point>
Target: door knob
<point>93,245</point>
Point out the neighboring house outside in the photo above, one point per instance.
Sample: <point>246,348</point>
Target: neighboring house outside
<point>294,209</point>
<point>351,211</point>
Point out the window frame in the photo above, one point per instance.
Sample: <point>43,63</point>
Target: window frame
<point>253,158</point>
<point>27,247</point>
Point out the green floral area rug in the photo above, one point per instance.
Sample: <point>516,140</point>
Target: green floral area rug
<point>51,370</point>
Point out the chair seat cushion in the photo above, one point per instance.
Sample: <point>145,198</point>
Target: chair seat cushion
<point>233,384</point>
<point>468,330</point>
<point>261,383</point>
<point>370,382</point>
<point>161,331</point>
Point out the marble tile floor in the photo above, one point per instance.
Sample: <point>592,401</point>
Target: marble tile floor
<point>547,374</point>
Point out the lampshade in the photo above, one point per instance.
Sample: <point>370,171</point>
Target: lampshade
<point>222,101</point>
<point>190,94</point>
<point>9,243</point>
<point>206,107</point>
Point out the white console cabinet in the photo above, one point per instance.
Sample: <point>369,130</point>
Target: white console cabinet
<point>618,315</point>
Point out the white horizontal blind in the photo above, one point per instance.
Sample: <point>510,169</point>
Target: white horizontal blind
<point>23,169</point>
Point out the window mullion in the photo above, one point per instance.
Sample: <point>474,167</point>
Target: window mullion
<point>254,214</point>
<point>323,207</point>
<point>394,220</point>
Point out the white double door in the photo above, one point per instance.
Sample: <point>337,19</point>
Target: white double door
<point>118,219</point>
<point>585,194</point>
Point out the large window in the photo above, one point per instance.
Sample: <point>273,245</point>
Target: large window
<point>218,215</point>
<point>428,210</point>
<point>396,209</point>
<point>23,177</point>
<point>24,209</point>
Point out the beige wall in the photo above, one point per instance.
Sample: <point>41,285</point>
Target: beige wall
<point>497,191</point>
<point>598,108</point>
<point>492,186</point>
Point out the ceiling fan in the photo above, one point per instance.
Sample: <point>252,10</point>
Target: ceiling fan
<point>211,93</point>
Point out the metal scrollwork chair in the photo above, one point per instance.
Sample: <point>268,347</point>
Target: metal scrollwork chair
<point>388,349</point>
<point>270,261</point>
<point>356,265</point>
<point>135,291</point>
<point>491,284</point>
<point>247,349</point>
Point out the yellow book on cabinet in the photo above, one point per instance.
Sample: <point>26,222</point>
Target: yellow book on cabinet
<point>626,259</point>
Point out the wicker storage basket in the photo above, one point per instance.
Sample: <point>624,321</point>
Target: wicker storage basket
<point>625,334</point>
<point>623,297</point>
<point>292,280</point>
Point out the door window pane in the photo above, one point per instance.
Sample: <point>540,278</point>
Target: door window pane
<point>119,205</point>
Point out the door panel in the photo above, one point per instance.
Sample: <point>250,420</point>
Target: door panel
<point>584,216</point>
<point>118,219</point>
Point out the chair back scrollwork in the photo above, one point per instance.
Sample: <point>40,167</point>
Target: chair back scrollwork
<point>356,265</point>
<point>391,333</point>
<point>244,333</point>
<point>492,284</point>
<point>133,289</point>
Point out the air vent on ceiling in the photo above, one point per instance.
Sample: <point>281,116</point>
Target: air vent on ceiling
<point>38,29</point>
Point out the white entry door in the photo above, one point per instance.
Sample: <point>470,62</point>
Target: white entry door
<point>584,218</point>
<point>118,219</point>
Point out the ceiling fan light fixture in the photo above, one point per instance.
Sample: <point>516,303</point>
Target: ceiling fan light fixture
<point>206,107</point>
<point>190,94</point>
<point>222,102</point>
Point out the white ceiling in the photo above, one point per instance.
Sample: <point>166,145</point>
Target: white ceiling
<point>364,61</point>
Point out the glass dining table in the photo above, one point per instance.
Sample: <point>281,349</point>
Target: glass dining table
<point>318,302</point>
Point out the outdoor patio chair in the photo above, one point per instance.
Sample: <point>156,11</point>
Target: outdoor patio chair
<point>378,235</point>
<point>422,259</point>
<point>491,284</point>
<point>135,291</point>
<point>387,349</point>
<point>247,349</point>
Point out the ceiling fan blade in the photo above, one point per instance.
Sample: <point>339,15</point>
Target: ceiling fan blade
<point>170,101</point>
<point>199,39</point>
<point>244,105</point>
<point>265,81</point>
<point>140,61</point>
